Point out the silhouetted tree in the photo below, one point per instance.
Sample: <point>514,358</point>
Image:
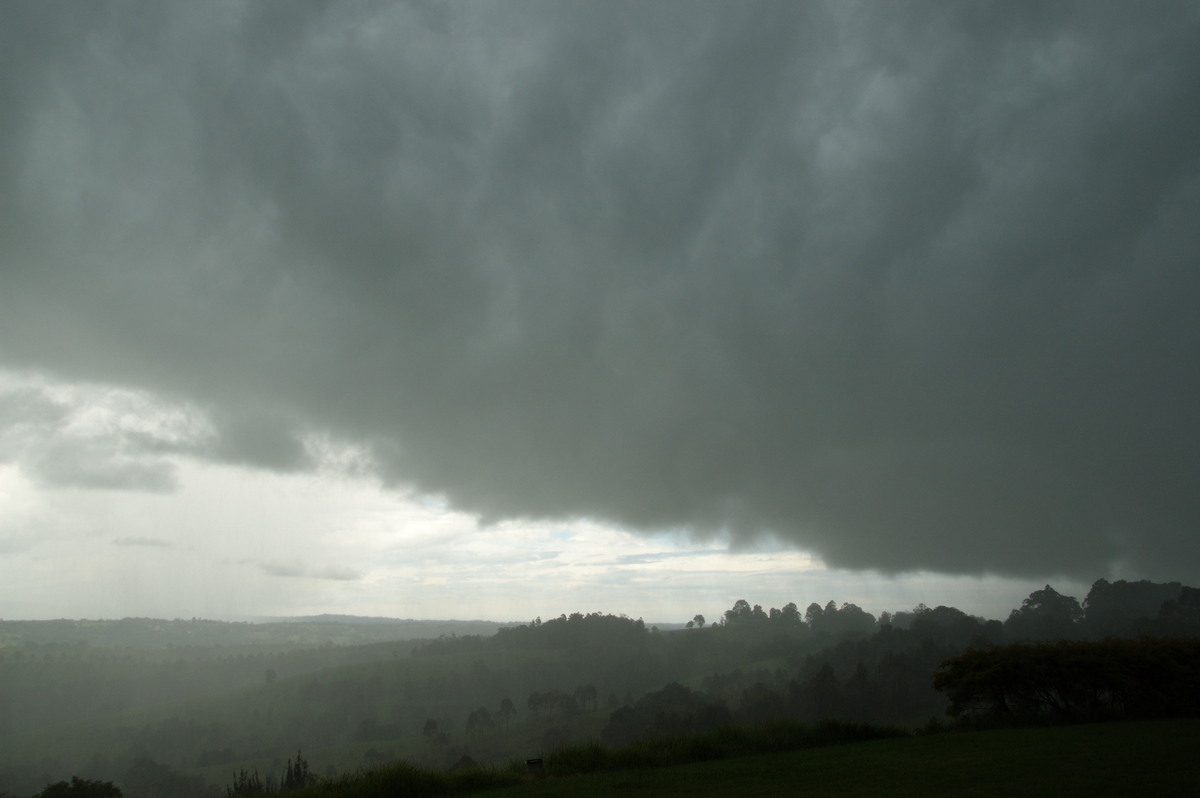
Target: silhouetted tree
<point>480,719</point>
<point>1045,615</point>
<point>861,697</point>
<point>740,611</point>
<point>1178,618</point>
<point>1116,608</point>
<point>80,788</point>
<point>670,712</point>
<point>507,710</point>
<point>1075,680</point>
<point>297,775</point>
<point>849,619</point>
<point>246,784</point>
<point>587,697</point>
<point>821,696</point>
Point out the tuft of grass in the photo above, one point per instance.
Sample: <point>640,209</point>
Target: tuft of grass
<point>410,780</point>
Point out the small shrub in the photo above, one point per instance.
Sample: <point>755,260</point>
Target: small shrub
<point>80,788</point>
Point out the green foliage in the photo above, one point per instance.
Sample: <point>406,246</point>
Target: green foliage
<point>1115,608</point>
<point>720,743</point>
<point>249,784</point>
<point>575,631</point>
<point>408,780</point>
<point>1045,615</point>
<point>1074,680</point>
<point>480,718</point>
<point>673,710</point>
<point>296,776</point>
<point>80,788</point>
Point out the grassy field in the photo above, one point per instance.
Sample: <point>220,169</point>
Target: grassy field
<point>1117,759</point>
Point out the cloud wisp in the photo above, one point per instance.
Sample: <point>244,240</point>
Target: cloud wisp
<point>908,286</point>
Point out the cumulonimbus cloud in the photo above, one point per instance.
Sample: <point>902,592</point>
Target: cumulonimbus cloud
<point>911,286</point>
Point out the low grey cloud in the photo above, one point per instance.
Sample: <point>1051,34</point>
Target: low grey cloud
<point>95,463</point>
<point>26,416</point>
<point>14,542</point>
<point>144,542</point>
<point>105,438</point>
<point>907,285</point>
<point>257,439</point>
<point>82,441</point>
<point>296,570</point>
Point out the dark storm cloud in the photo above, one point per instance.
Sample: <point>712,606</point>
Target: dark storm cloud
<point>911,285</point>
<point>257,439</point>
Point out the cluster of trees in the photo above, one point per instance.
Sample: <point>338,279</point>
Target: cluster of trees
<point>848,619</point>
<point>144,778</point>
<point>880,671</point>
<point>1075,680</point>
<point>593,630</point>
<point>585,697</point>
<point>81,788</point>
<point>672,711</point>
<point>1110,609</point>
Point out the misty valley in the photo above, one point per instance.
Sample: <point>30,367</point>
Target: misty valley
<point>205,708</point>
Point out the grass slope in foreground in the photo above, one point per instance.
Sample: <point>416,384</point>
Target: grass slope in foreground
<point>1114,759</point>
<point>1126,759</point>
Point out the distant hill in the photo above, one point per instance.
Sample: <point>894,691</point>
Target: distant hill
<point>301,632</point>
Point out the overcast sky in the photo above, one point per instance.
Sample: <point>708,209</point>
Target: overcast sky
<point>506,309</point>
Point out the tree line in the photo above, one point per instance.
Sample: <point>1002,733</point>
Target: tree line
<point>559,680</point>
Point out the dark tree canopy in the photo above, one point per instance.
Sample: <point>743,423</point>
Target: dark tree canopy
<point>1045,615</point>
<point>1114,608</point>
<point>81,788</point>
